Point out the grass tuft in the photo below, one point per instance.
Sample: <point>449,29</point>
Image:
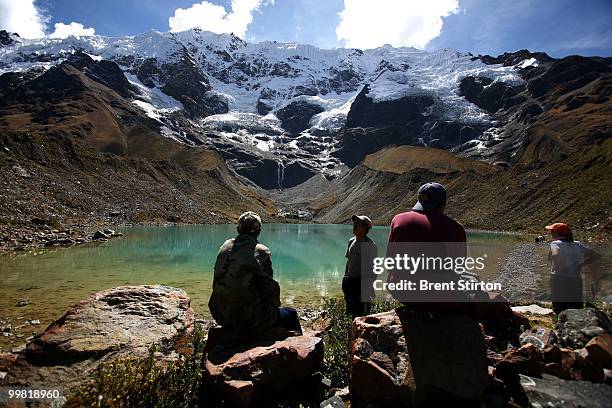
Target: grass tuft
<point>335,360</point>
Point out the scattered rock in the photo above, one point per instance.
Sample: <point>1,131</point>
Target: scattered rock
<point>607,377</point>
<point>526,360</point>
<point>571,365</point>
<point>23,302</point>
<point>18,349</point>
<point>550,391</point>
<point>400,362</point>
<point>576,327</point>
<point>34,321</point>
<point>20,171</point>
<point>333,402</point>
<point>260,370</point>
<point>600,350</point>
<point>341,392</point>
<point>99,235</point>
<point>6,360</point>
<point>540,337</point>
<point>126,319</point>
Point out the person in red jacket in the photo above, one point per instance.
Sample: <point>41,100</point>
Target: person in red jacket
<point>427,223</point>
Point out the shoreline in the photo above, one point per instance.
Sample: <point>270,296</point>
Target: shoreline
<point>40,233</point>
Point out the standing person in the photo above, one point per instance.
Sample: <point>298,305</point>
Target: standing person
<point>358,275</point>
<point>426,223</point>
<point>245,296</point>
<point>566,258</point>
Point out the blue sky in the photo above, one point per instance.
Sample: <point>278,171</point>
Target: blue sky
<point>558,27</point>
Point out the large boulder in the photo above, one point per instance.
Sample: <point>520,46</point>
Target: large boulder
<point>245,370</point>
<point>526,360</point>
<point>599,350</point>
<point>571,364</point>
<point>576,327</point>
<point>126,319</point>
<point>396,362</point>
<point>550,391</point>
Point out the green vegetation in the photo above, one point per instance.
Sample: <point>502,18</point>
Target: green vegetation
<point>335,360</point>
<point>132,382</point>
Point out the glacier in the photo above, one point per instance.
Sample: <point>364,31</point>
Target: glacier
<point>257,80</point>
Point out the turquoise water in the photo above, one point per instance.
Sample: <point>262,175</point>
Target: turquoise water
<point>308,261</point>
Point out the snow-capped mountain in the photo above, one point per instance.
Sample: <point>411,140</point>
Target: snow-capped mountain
<point>293,110</point>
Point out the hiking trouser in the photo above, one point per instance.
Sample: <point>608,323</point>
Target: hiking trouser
<point>566,292</point>
<point>351,287</point>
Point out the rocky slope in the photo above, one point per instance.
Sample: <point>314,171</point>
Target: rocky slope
<point>484,196</point>
<point>73,150</point>
<point>549,156</point>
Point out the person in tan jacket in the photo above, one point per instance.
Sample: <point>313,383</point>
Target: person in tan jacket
<point>245,296</point>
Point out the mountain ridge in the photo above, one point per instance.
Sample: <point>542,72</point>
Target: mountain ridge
<point>383,118</point>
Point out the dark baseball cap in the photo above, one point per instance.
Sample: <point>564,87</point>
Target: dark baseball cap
<point>431,195</point>
<point>249,222</point>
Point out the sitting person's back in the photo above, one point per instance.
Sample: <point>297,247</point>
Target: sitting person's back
<point>245,296</point>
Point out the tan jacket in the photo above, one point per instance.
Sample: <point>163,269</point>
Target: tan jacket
<point>245,296</point>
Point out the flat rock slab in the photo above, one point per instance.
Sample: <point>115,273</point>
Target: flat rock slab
<point>123,319</point>
<point>260,372</point>
<point>533,309</point>
<point>550,391</point>
<point>400,362</point>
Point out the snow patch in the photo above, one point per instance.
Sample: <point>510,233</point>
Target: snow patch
<point>531,62</point>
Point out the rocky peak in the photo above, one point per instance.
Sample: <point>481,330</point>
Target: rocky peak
<point>513,58</point>
<point>7,38</point>
<point>105,72</point>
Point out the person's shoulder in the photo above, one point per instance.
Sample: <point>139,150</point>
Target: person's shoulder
<point>261,248</point>
<point>403,217</point>
<point>227,244</point>
<point>556,243</point>
<point>352,239</point>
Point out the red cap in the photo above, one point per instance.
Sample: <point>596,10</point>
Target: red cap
<point>559,228</point>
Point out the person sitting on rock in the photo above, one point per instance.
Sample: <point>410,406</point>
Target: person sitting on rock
<point>358,275</point>
<point>566,258</point>
<point>245,296</point>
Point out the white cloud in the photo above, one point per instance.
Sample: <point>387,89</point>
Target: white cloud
<point>22,17</point>
<point>412,23</point>
<point>66,30</point>
<point>215,18</point>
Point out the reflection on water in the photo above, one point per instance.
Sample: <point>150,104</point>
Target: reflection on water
<point>308,262</point>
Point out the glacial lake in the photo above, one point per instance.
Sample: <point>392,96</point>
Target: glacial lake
<point>308,261</point>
